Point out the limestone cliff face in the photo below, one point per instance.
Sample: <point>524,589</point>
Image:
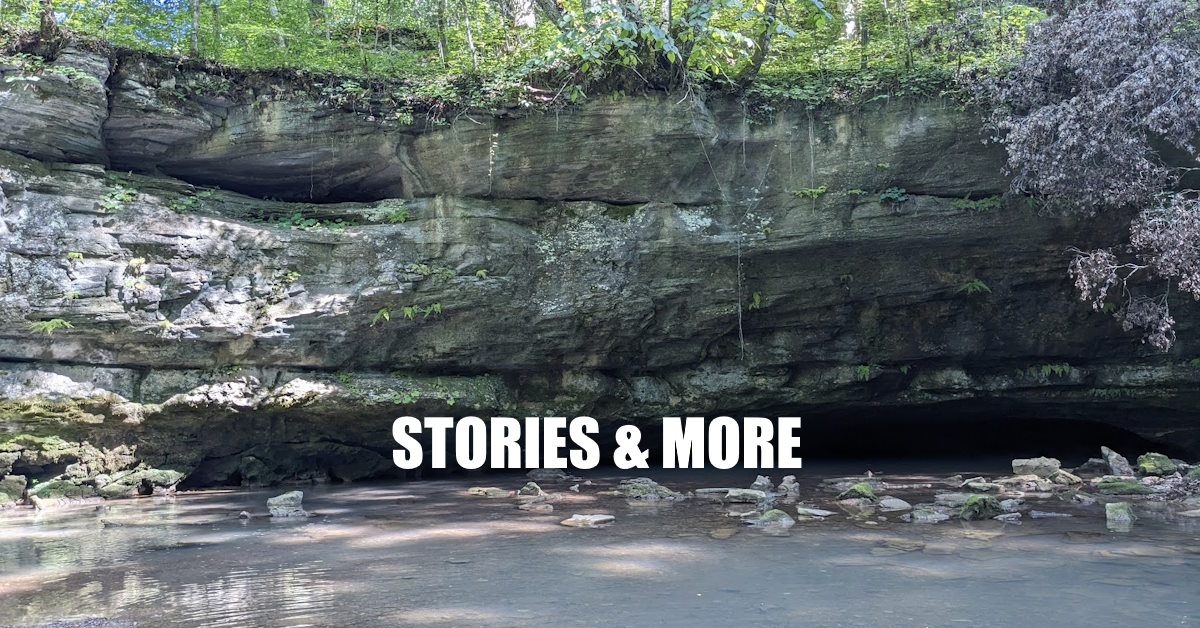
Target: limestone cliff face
<point>623,259</point>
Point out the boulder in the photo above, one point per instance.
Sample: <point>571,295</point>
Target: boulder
<point>12,489</point>
<point>647,489</point>
<point>1117,464</point>
<point>788,485</point>
<point>859,490</point>
<point>287,505</point>
<point>979,507</point>
<point>1041,466</point>
<point>1156,464</point>
<point>763,483</point>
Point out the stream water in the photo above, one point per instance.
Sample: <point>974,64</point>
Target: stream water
<point>427,553</point>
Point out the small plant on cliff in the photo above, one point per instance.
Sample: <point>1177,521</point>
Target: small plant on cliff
<point>50,326</point>
<point>384,314</point>
<point>894,197</point>
<point>74,256</point>
<point>812,193</point>
<point>755,301</point>
<point>863,372</point>
<point>396,216</point>
<point>116,197</point>
<point>979,205</point>
<point>481,273</point>
<point>973,287</point>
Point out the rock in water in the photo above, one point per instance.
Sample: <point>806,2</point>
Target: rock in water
<point>789,485</point>
<point>1042,467</point>
<point>488,491</point>
<point>647,489</point>
<point>550,475</point>
<point>1094,466</point>
<point>12,489</point>
<point>1156,464</point>
<point>805,511</point>
<point>1117,464</point>
<point>892,504</point>
<point>979,507</point>
<point>763,483</point>
<point>774,519</point>
<point>1120,516</point>
<point>287,505</point>
<point>588,521</point>
<point>1009,517</point>
<point>1110,485</point>
<point>745,496</point>
<point>860,490</point>
<point>531,489</point>
<point>925,515</point>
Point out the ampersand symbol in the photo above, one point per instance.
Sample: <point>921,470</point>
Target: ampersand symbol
<point>628,455</point>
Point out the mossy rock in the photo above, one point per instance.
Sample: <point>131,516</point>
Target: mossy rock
<point>1194,474</point>
<point>980,507</point>
<point>861,490</point>
<point>58,489</point>
<point>12,489</point>
<point>1156,464</point>
<point>1115,486</point>
<point>647,489</point>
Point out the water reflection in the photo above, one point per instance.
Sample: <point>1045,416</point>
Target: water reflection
<point>429,554</point>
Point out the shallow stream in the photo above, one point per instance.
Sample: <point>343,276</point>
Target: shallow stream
<point>427,553</point>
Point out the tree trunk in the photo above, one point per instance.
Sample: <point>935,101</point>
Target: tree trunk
<point>195,28</point>
<point>48,29</point>
<point>551,9</point>
<point>762,46</point>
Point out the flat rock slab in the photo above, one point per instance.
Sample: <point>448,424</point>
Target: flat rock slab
<point>588,521</point>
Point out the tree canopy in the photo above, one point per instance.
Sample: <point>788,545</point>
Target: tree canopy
<point>870,44</point>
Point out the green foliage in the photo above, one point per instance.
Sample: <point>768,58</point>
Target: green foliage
<point>904,369</point>
<point>856,192</point>
<point>410,311</point>
<point>71,295</point>
<point>755,301</point>
<point>893,196</point>
<point>50,326</point>
<point>812,193</point>
<point>396,216</point>
<point>184,203</point>
<point>983,204</point>
<point>74,256</point>
<point>384,314</point>
<point>864,372</point>
<point>297,220</point>
<point>344,378</point>
<point>482,273</point>
<point>116,197</point>
<point>973,287</point>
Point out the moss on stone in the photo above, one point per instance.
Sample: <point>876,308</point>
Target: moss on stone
<point>978,507</point>
<point>861,490</point>
<point>1117,486</point>
<point>1156,464</point>
<point>57,489</point>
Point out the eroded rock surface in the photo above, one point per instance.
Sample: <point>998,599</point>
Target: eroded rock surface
<point>664,255</point>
